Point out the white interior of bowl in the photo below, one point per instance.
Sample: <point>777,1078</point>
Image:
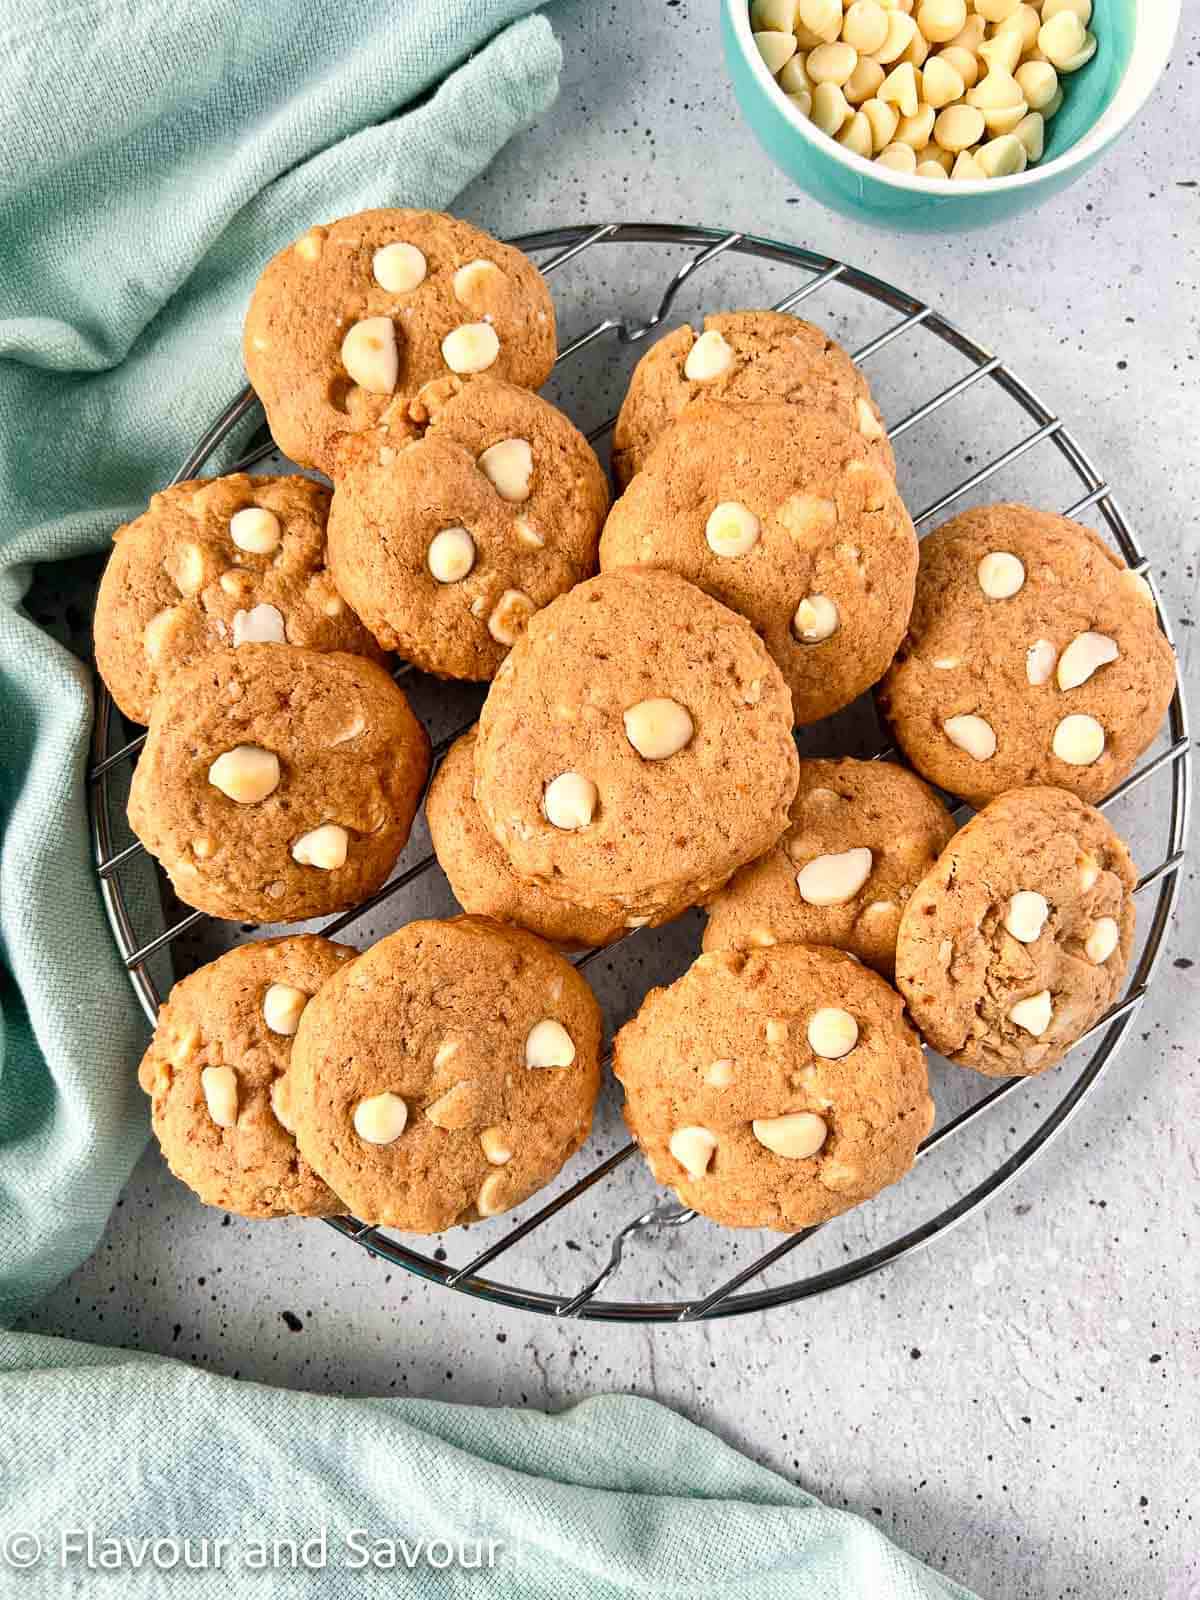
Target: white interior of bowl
<point>1155,30</point>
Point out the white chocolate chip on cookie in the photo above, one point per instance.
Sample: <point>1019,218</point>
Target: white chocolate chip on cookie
<point>473,347</point>
<point>1089,872</point>
<point>832,1033</point>
<point>309,245</point>
<point>508,466</point>
<point>1104,936</point>
<point>971,734</point>
<point>797,1136</point>
<point>262,624</point>
<point>1001,575</point>
<point>255,530</point>
<point>493,1195</point>
<point>1039,662</point>
<point>709,357</point>
<point>159,630</point>
<point>549,1045</point>
<point>370,356</point>
<point>509,616</point>
<point>1086,654</point>
<point>570,801</point>
<point>220,1088</point>
<point>399,267</point>
<point>247,773</point>
<point>496,1145</point>
<point>658,728</point>
<point>869,424</point>
<point>1026,915</point>
<point>451,555</point>
<point>281,1103</point>
<point>282,1006</point>
<point>693,1148</point>
<point>719,1075</point>
<point>528,535</point>
<point>1034,1014</point>
<point>833,880</point>
<point>816,619</point>
<point>810,518</point>
<point>185,567</point>
<point>474,282</point>
<point>323,847</point>
<point>380,1118</point>
<point>731,530</point>
<point>1078,740</point>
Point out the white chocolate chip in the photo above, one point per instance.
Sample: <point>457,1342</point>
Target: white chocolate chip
<point>308,245</point>
<point>455,1108</point>
<point>370,356</point>
<point>185,567</point>
<point>1078,740</point>
<point>508,466</point>
<point>509,616</point>
<point>810,518</point>
<point>380,1118</point>
<point>255,530</point>
<point>1034,1014</point>
<point>1001,575</point>
<point>323,847</point>
<point>720,1073</point>
<point>497,1147</point>
<point>832,1032</point>
<point>761,938</point>
<point>1039,662</point>
<point>159,630</point>
<point>220,1088</point>
<point>1086,654</point>
<point>491,1200</point>
<point>473,347</point>
<point>869,424</point>
<point>549,1045</point>
<point>1139,586</point>
<point>247,773</point>
<point>832,880</point>
<point>972,734</point>
<point>451,555</point>
<point>731,530</point>
<point>798,1136</point>
<point>776,49</point>
<point>281,1007</point>
<point>1089,872</point>
<point>947,663</point>
<point>1103,938</point>
<point>776,1031</point>
<point>693,1149</point>
<point>1026,915</point>
<point>528,535</point>
<point>281,1103</point>
<point>658,728</point>
<point>356,725</point>
<point>570,801</point>
<point>708,358</point>
<point>399,267</point>
<point>471,282</point>
<point>816,619</point>
<point>262,624</point>
<point>445,1052</point>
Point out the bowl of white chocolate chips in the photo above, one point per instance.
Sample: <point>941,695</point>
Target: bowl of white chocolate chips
<point>942,114</point>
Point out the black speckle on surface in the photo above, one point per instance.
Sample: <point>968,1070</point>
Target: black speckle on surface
<point>1154,1360</point>
<point>915,1353</point>
<point>292,1321</point>
<point>1183,963</point>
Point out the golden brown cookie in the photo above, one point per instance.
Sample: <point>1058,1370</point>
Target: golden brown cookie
<point>635,749</point>
<point>480,874</point>
<point>863,835</point>
<point>278,784</point>
<point>447,1074</point>
<point>217,562</point>
<point>785,516</point>
<point>377,305</point>
<point>446,535</point>
<point>1033,657</point>
<point>1018,940</point>
<point>216,1076</point>
<point>775,1089</point>
<point>742,356</point>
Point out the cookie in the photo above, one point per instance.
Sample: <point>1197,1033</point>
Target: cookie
<point>212,563</point>
<point>775,1089</point>
<point>785,516</point>
<point>375,306</point>
<point>1018,940</point>
<point>479,872</point>
<point>1034,656</point>
<point>635,749</point>
<point>448,533</point>
<point>742,356</point>
<point>278,784</point>
<point>447,1074</point>
<point>863,835</point>
<point>216,1076</point>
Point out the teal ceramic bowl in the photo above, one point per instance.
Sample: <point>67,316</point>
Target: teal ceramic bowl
<point>1134,39</point>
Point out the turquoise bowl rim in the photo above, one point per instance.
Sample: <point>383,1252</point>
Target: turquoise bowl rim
<point>1156,26</point>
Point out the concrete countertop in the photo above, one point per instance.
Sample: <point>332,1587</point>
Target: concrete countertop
<point>1016,1405</point>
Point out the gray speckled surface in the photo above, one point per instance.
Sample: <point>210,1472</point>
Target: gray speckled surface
<point>1017,1404</point>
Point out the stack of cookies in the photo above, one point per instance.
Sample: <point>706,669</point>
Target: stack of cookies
<point>634,757</point>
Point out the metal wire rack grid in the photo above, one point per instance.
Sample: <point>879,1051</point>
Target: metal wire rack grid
<point>1171,764</point>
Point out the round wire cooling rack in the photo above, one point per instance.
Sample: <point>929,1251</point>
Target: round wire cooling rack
<point>1166,802</point>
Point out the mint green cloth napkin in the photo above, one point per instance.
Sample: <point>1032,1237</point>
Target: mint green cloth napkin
<point>615,1496</point>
